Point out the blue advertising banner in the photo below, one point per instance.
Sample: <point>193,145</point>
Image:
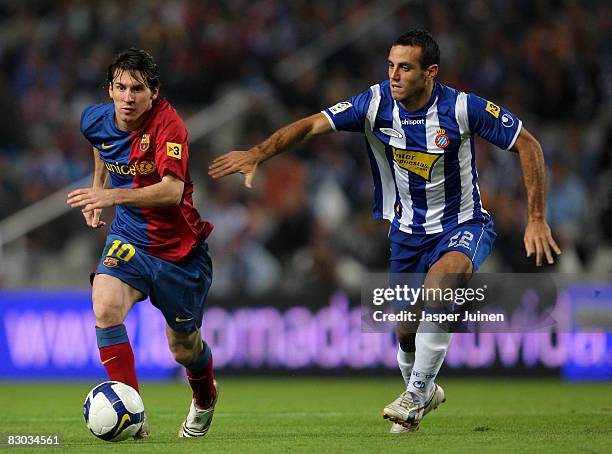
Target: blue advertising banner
<point>51,335</point>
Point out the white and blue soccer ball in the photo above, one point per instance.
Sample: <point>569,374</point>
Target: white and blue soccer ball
<point>113,411</point>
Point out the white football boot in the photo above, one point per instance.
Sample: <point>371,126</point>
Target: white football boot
<point>399,429</point>
<point>408,411</point>
<point>144,431</point>
<point>198,421</point>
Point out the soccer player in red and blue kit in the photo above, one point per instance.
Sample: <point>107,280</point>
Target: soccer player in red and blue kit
<point>156,244</point>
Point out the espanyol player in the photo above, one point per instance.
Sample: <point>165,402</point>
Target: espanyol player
<point>419,135</point>
<point>156,244</point>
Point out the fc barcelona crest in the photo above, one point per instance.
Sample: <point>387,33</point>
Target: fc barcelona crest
<point>442,139</point>
<point>110,262</point>
<point>145,142</point>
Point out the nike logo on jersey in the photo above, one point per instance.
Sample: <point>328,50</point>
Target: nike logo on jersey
<point>179,320</point>
<point>106,147</point>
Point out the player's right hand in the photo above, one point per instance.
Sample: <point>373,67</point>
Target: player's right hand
<point>92,218</point>
<point>244,162</point>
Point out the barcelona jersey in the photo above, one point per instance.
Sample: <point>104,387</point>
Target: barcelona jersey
<point>135,159</point>
<point>423,162</point>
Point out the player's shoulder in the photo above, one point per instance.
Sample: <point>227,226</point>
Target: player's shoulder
<point>166,113</point>
<point>93,115</point>
<point>383,87</point>
<point>382,93</point>
<point>167,118</point>
<point>447,93</point>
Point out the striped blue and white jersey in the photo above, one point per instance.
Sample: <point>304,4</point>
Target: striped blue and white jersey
<point>423,162</point>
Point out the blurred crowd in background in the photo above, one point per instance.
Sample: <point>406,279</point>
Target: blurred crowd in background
<point>306,225</point>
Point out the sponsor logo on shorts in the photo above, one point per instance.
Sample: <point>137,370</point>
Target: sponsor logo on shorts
<point>340,107</point>
<point>110,262</point>
<point>181,320</point>
<point>442,139</point>
<point>417,162</point>
<point>391,132</point>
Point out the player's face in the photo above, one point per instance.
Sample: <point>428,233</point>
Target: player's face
<point>132,98</point>
<point>408,81</point>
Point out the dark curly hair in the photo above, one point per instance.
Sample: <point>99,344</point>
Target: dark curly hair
<point>132,60</point>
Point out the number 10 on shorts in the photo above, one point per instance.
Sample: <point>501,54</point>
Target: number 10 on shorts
<point>464,241</point>
<point>122,251</point>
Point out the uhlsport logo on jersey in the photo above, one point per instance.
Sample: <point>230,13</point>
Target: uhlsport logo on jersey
<point>442,139</point>
<point>417,162</point>
<point>507,121</point>
<point>493,109</point>
<point>413,122</point>
<point>145,142</point>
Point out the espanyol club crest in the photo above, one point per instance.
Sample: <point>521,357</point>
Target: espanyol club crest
<point>145,142</point>
<point>442,139</point>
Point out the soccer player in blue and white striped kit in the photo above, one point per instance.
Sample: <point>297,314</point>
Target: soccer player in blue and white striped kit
<point>420,140</point>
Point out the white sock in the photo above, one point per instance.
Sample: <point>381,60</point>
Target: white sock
<point>405,361</point>
<point>431,346</point>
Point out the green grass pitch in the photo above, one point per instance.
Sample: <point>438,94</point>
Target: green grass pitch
<point>334,415</point>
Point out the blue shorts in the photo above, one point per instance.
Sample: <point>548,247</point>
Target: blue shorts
<point>178,290</point>
<point>412,253</point>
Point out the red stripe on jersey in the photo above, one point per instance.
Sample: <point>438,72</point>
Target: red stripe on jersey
<point>160,147</point>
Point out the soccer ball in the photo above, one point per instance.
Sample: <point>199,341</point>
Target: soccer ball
<point>113,411</point>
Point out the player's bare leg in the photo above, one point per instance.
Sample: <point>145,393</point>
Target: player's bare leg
<point>431,342</point>
<point>112,300</point>
<point>195,355</point>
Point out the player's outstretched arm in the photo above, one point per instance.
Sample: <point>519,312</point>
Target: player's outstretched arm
<point>246,162</point>
<point>538,238</point>
<point>168,192</point>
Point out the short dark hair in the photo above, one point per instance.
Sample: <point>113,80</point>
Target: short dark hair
<point>132,60</point>
<point>430,52</point>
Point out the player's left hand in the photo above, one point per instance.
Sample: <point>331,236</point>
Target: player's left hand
<point>538,239</point>
<point>89,199</point>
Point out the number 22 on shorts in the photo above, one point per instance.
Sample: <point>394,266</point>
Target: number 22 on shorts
<point>464,241</point>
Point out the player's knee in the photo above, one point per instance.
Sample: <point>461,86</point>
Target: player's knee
<point>107,312</point>
<point>183,354</point>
